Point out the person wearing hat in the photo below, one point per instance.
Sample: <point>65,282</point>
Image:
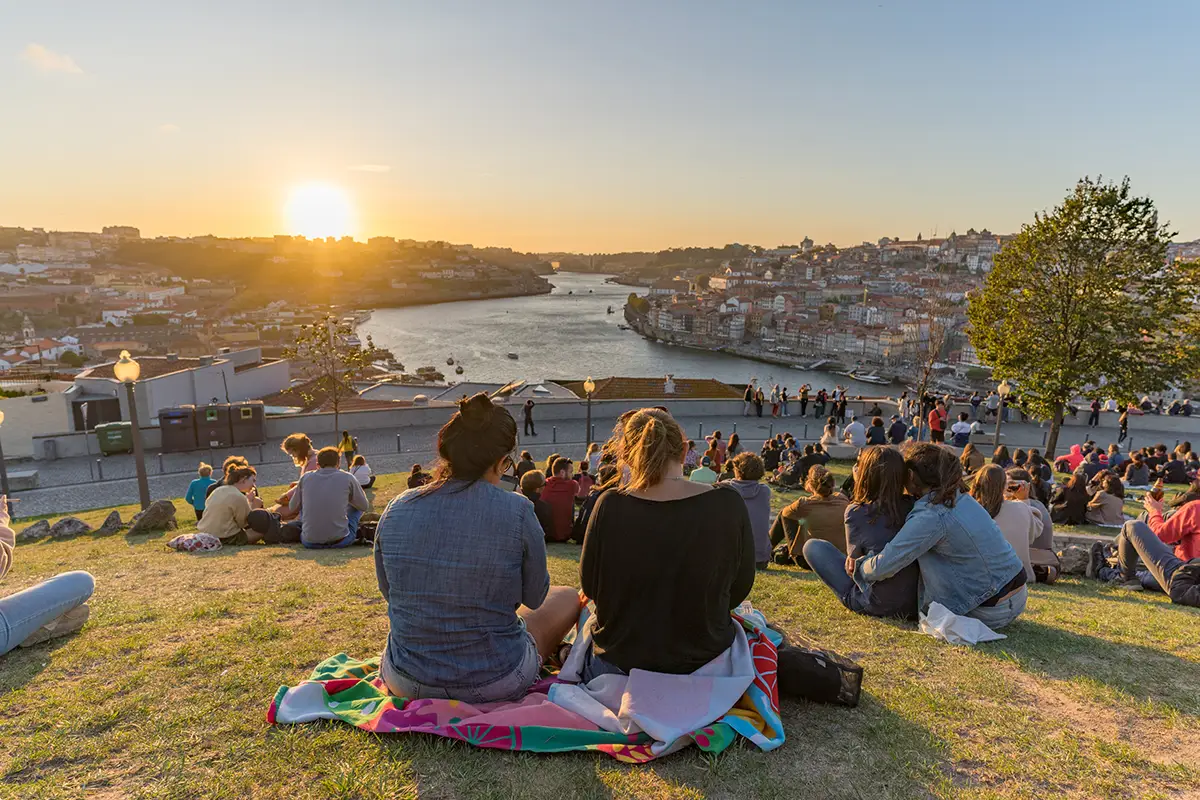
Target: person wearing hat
<point>704,473</point>
<point>898,430</point>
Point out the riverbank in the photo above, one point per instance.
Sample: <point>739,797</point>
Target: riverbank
<point>461,298</point>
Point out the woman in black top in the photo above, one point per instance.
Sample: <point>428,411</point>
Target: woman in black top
<point>664,559</point>
<point>876,434</point>
<point>876,513</point>
<point>1068,504</point>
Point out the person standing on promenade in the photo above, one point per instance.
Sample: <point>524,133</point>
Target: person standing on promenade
<point>775,400</point>
<point>1124,423</point>
<point>759,399</point>
<point>783,401</point>
<point>1094,417</point>
<point>804,399</point>
<point>348,447</point>
<point>747,399</point>
<point>529,429</point>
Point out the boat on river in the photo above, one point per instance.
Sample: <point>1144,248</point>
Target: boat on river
<point>869,377</point>
<point>513,356</point>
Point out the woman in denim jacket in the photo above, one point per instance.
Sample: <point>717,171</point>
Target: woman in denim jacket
<point>462,565</point>
<point>966,563</point>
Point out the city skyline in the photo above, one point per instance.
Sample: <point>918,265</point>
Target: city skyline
<point>545,128</point>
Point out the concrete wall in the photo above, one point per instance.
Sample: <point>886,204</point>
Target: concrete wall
<point>27,417</point>
<point>260,381</point>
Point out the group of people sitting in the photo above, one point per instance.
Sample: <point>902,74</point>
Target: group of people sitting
<point>322,509</point>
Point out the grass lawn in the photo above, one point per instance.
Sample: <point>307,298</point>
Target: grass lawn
<point>1096,693</point>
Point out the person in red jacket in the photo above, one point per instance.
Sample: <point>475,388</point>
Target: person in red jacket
<point>559,493</point>
<point>1175,571</point>
<point>937,422</point>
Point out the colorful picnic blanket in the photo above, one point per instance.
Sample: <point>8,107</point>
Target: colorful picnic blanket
<point>346,689</point>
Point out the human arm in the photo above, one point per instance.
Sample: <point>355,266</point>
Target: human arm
<point>380,573</point>
<point>919,534</point>
<point>241,510</point>
<point>8,538</point>
<point>190,497</point>
<point>358,498</point>
<point>1171,531</point>
<point>743,579</point>
<point>295,500</point>
<point>535,579</point>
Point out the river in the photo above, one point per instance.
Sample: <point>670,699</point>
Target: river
<point>567,334</point>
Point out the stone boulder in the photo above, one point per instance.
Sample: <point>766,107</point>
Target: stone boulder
<point>160,516</point>
<point>69,526</point>
<point>35,531</point>
<point>112,524</point>
<point>1074,560</point>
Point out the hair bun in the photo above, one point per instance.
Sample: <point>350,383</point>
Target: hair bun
<point>476,411</point>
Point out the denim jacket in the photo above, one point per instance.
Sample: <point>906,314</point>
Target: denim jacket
<point>964,558</point>
<point>454,564</point>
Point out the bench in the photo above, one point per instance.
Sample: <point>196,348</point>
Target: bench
<point>19,480</point>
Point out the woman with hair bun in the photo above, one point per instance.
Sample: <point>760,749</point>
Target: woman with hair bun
<point>664,559</point>
<point>966,563</point>
<point>461,562</point>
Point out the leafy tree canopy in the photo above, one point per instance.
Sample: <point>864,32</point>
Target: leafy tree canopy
<point>1082,298</point>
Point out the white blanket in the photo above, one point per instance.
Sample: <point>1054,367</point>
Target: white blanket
<point>667,707</point>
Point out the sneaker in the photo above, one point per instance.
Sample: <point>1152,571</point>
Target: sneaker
<point>68,623</point>
<point>1095,560</point>
<point>1133,584</point>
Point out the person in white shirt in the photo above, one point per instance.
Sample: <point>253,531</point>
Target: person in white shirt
<point>961,430</point>
<point>855,434</point>
<point>362,472</point>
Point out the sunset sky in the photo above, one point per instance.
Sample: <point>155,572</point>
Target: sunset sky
<point>591,127</point>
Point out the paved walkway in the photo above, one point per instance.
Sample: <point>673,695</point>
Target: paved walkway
<point>78,484</point>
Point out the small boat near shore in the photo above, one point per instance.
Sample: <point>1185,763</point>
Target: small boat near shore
<point>513,356</point>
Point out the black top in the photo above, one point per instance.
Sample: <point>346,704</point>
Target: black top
<point>809,461</point>
<point>545,514</point>
<point>771,458</point>
<point>896,596</point>
<point>876,435</point>
<point>1175,472</point>
<point>664,577</point>
<point>898,432</point>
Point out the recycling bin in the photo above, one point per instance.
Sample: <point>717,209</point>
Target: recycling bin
<point>212,426</point>
<point>178,429</point>
<point>114,437</point>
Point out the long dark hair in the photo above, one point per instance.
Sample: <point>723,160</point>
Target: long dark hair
<point>879,483</point>
<point>933,469</point>
<point>988,488</point>
<point>475,439</point>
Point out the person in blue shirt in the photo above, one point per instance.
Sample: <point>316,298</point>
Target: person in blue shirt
<point>197,491</point>
<point>966,563</point>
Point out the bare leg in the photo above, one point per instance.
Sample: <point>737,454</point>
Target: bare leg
<point>549,622</point>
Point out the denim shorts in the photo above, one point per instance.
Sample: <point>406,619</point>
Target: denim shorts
<point>512,686</point>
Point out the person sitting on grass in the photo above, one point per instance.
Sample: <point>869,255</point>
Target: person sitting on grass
<point>1137,473</point>
<point>1022,487</point>
<point>606,479</point>
<point>47,610</point>
<point>747,481</point>
<point>972,460</point>
<point>1037,466</point>
<point>966,563</point>
<point>461,563</point>
<point>875,515</point>
<point>822,515</point>
<point>791,474</point>
<point>197,491</point>
<point>418,477</point>
<point>559,493</point>
<point>1001,458</point>
<point>1068,503</point>
<point>1175,571</point>
<point>361,471</point>
<point>586,481</point>
<point>664,560</point>
<point>1107,505</point>
<point>304,456</point>
<point>704,473</point>
<point>228,507</point>
<point>692,459</point>
<point>532,483</point>
<point>1174,470</point>
<point>329,503</point>
<point>1015,519</point>
<point>524,465</point>
<point>228,464</point>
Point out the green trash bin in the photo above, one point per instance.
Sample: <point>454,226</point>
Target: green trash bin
<point>115,437</point>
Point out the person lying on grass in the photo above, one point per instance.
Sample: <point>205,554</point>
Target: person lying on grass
<point>664,559</point>
<point>462,565</point>
<point>48,610</point>
<point>966,563</point>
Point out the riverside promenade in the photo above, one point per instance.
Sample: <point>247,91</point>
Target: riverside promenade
<point>80,483</point>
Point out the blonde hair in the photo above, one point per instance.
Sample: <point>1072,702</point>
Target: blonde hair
<point>533,480</point>
<point>298,446</point>
<point>648,442</point>
<point>204,470</point>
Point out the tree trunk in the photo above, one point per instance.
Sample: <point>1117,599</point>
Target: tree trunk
<point>1055,426</point>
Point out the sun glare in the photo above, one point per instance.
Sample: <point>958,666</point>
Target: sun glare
<point>317,210</point>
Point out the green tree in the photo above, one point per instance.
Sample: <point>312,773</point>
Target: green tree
<point>1082,300</point>
<point>639,304</point>
<point>71,359</point>
<point>326,353</point>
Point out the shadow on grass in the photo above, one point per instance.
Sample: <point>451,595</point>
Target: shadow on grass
<point>1141,672</point>
<point>21,665</point>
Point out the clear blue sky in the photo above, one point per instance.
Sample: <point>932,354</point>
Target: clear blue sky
<point>600,126</point>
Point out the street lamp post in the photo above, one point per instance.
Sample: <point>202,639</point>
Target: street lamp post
<point>589,386</point>
<point>1003,390</point>
<point>127,371</point>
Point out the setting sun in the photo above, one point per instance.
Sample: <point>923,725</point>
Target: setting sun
<point>317,210</point>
